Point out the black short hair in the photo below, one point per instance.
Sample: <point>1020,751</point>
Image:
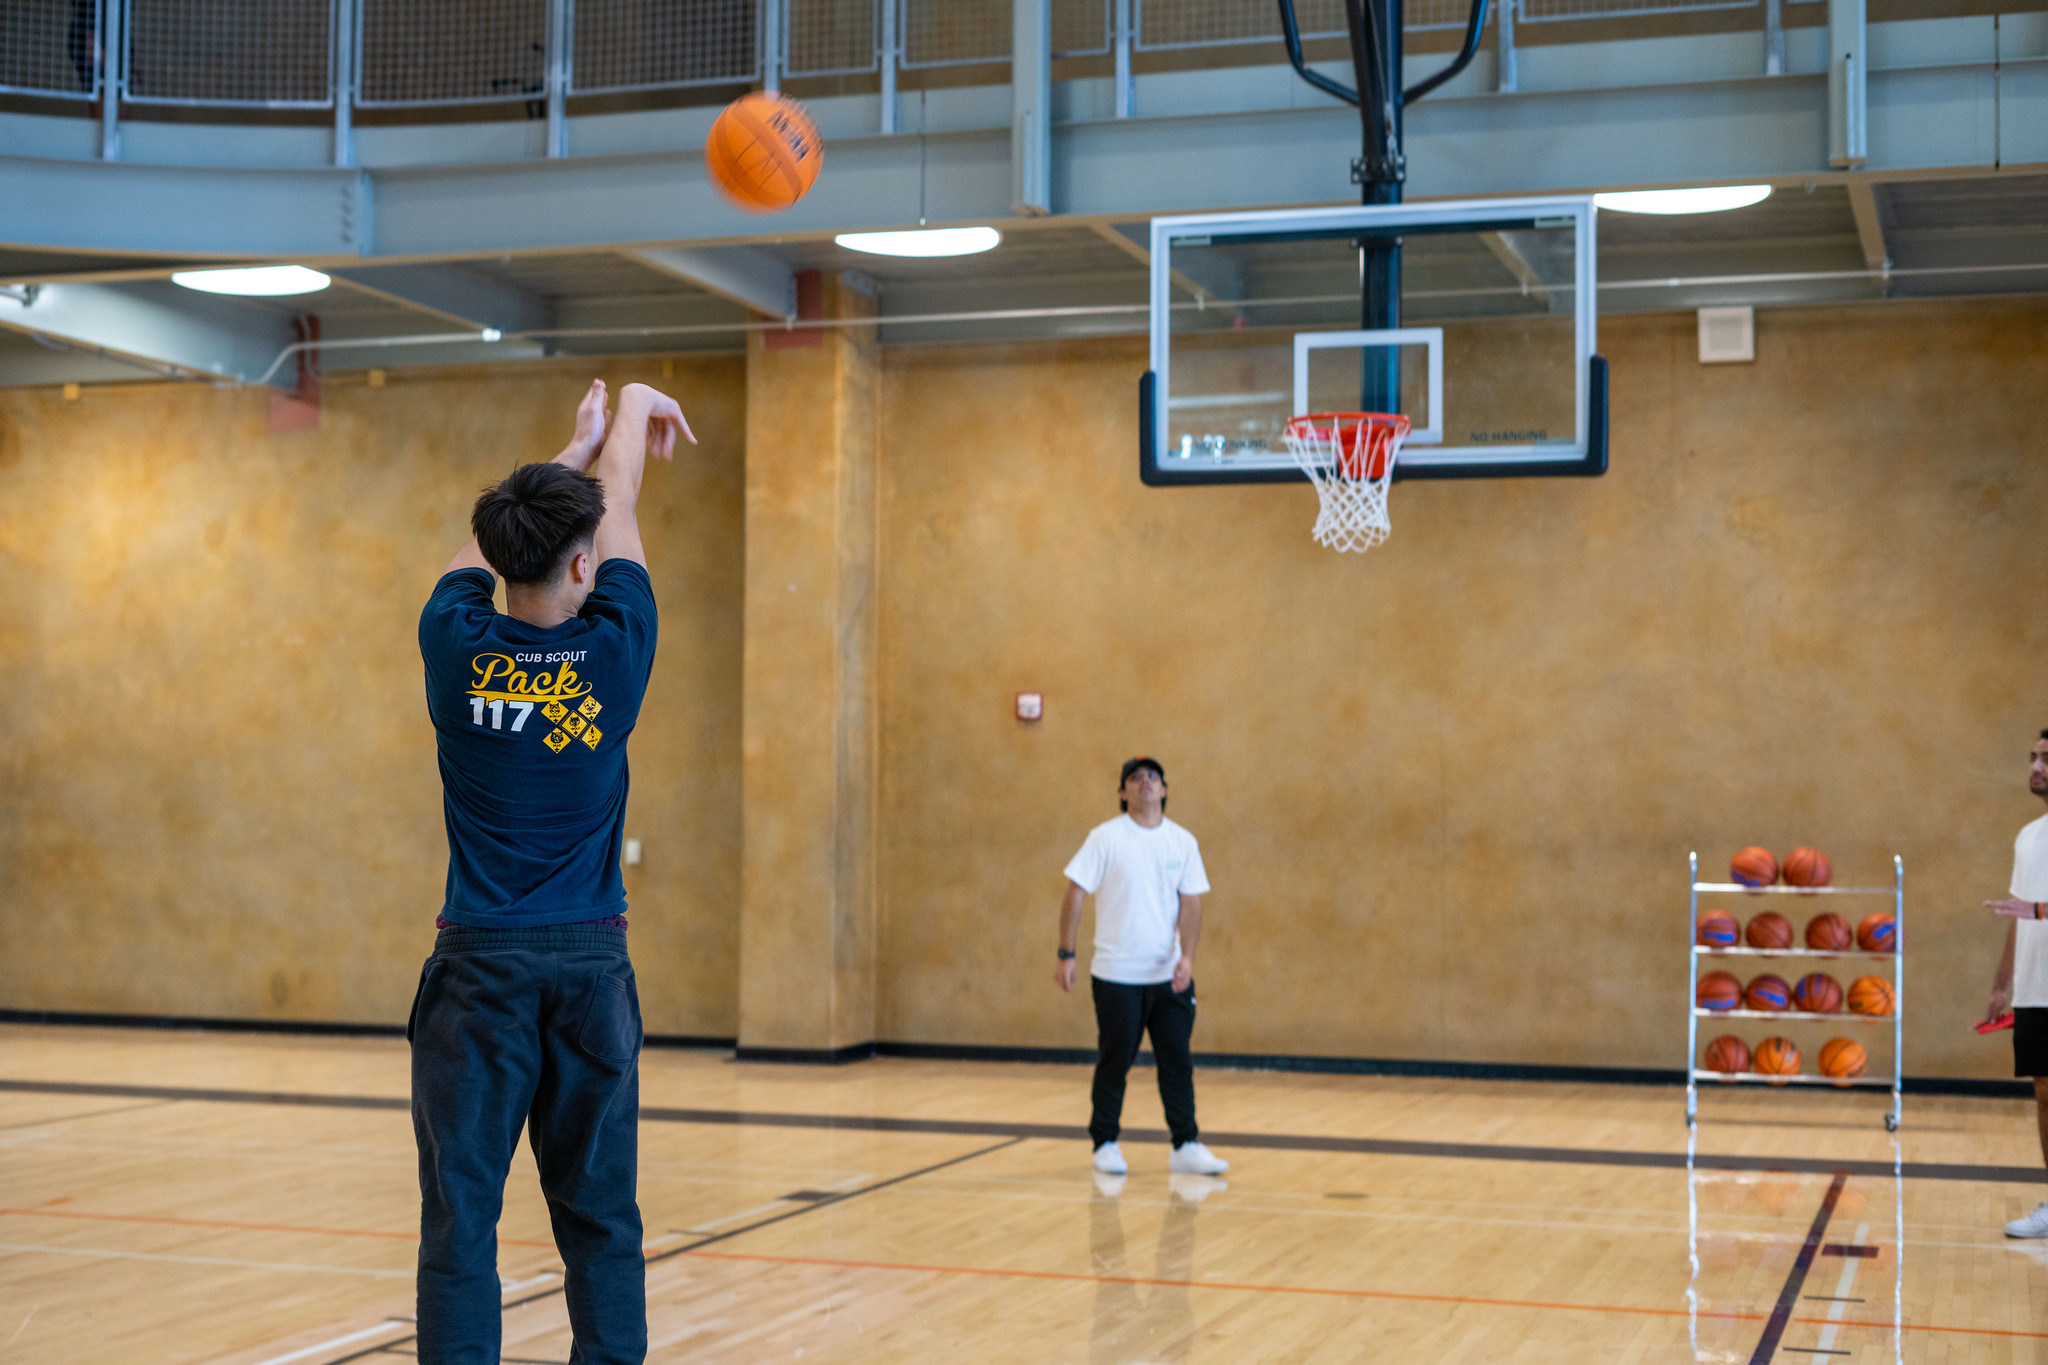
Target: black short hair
<point>530,525</point>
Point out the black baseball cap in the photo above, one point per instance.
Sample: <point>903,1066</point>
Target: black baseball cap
<point>1141,761</point>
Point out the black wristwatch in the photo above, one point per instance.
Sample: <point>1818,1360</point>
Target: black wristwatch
<point>1066,954</point>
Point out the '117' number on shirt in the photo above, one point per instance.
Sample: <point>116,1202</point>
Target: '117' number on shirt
<point>477,705</point>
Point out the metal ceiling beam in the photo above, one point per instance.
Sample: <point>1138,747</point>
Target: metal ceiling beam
<point>449,291</point>
<point>1920,122</point>
<point>206,212</point>
<point>744,275</point>
<point>195,337</point>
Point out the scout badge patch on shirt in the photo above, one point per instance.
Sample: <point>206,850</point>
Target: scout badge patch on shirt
<point>503,689</point>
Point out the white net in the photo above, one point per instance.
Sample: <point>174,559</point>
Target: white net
<point>1349,457</point>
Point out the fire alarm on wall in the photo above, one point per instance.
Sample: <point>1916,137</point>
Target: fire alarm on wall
<point>1030,705</point>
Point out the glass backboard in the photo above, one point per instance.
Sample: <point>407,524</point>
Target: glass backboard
<point>1259,317</point>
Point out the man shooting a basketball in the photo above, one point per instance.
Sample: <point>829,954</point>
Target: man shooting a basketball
<point>1146,875</point>
<point>2021,982</point>
<point>527,1014</point>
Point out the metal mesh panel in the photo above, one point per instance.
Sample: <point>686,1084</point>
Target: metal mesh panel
<point>651,44</point>
<point>950,32</point>
<point>1418,15</point>
<point>452,51</point>
<point>1208,23</point>
<point>1081,28</point>
<point>1542,11</point>
<point>50,47</point>
<point>955,32</point>
<point>830,37</point>
<point>266,53</point>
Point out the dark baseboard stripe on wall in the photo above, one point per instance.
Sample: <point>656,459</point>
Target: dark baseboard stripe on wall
<point>1058,1056</point>
<point>180,1021</point>
<point>808,1056</point>
<point>328,1028</point>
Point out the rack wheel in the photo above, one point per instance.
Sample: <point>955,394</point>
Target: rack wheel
<point>1891,1123</point>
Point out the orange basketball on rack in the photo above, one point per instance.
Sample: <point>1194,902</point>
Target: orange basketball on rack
<point>1726,1053</point>
<point>1719,991</point>
<point>1769,930</point>
<point>1717,929</point>
<point>1808,867</point>
<point>1818,993</point>
<point>763,152</point>
<point>1768,992</point>
<point>1829,933</point>
<point>1842,1058</point>
<point>1879,933</point>
<point>1754,867</point>
<point>1777,1057</point>
<point>1870,995</point>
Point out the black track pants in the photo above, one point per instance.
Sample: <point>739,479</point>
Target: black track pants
<point>1123,1015</point>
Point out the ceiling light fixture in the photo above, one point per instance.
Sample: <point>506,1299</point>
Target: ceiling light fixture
<point>922,241</point>
<point>1707,199</point>
<point>256,281</point>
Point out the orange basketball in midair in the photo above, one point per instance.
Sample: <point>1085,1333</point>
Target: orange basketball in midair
<point>1769,930</point>
<point>1719,991</point>
<point>1777,1057</point>
<point>1754,867</point>
<point>1808,867</point>
<point>1726,1053</point>
<point>1870,995</point>
<point>1818,993</point>
<point>763,152</point>
<point>1829,933</point>
<point>1842,1057</point>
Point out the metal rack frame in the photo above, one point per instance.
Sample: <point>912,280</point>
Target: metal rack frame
<point>1695,1073</point>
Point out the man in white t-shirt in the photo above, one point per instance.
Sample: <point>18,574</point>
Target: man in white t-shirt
<point>1145,873</point>
<point>2021,983</point>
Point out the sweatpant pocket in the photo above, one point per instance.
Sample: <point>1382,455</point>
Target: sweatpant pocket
<point>611,1023</point>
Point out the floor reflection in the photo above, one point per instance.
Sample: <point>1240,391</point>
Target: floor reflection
<point>1797,1253</point>
<point>1143,1315</point>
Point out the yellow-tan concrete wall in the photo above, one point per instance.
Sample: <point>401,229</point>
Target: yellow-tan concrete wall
<point>220,796</point>
<point>1446,790</point>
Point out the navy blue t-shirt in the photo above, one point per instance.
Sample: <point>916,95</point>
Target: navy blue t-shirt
<point>532,725</point>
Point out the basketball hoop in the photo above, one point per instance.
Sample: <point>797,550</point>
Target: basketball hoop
<point>1349,457</point>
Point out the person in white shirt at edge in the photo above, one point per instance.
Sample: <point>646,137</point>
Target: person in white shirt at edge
<point>2021,983</point>
<point>1145,873</point>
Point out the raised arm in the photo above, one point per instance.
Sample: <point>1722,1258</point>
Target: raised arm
<point>581,450</point>
<point>647,424</point>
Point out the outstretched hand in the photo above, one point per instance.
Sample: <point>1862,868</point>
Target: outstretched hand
<point>2017,909</point>
<point>664,420</point>
<point>590,426</point>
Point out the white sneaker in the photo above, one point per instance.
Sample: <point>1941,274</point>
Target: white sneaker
<point>2034,1224</point>
<point>1192,1158</point>
<point>1109,1159</point>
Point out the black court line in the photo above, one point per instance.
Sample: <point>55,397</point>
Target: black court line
<point>1795,1280</point>
<point>539,1294</point>
<point>86,1114</point>
<point>1060,1132</point>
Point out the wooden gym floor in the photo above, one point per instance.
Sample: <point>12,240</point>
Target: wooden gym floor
<point>220,1199</point>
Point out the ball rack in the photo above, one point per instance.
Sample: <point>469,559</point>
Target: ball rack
<point>1695,1073</point>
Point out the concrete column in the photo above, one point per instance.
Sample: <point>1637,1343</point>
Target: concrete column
<point>808,731</point>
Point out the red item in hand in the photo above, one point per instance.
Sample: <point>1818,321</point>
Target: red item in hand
<point>2003,1021</point>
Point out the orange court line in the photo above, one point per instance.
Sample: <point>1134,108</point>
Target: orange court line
<point>1335,1293</point>
<point>238,1227</point>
